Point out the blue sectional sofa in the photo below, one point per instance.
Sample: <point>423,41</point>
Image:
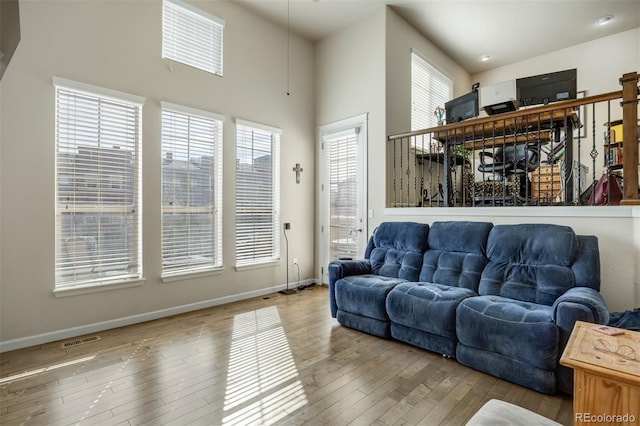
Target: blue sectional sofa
<point>501,299</point>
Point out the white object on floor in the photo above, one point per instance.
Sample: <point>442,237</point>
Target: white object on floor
<point>498,413</point>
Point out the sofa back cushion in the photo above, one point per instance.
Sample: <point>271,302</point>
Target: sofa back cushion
<point>530,262</point>
<point>398,248</point>
<point>456,254</point>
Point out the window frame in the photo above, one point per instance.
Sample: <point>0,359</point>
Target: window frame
<point>261,261</point>
<point>67,91</point>
<point>175,40</point>
<point>215,206</point>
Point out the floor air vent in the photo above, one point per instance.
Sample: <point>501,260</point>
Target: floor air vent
<point>78,342</point>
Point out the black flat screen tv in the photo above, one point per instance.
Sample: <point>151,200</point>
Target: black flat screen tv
<point>461,108</point>
<point>546,88</point>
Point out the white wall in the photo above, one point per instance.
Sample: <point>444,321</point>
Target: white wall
<point>117,45</point>
<point>600,63</point>
<point>350,73</point>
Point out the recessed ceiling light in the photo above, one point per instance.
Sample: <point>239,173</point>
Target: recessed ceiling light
<point>484,58</point>
<point>603,20</point>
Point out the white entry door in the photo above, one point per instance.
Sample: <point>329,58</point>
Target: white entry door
<point>343,190</point>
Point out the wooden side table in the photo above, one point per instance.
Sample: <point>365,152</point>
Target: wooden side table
<point>606,376</point>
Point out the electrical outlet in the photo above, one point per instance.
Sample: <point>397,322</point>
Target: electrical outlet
<point>295,261</point>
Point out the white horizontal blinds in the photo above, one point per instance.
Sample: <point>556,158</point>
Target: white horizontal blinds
<point>191,191</point>
<point>257,194</point>
<point>342,155</point>
<point>430,88</point>
<point>192,37</point>
<point>98,188</point>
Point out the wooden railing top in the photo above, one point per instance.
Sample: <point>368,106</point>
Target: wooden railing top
<point>551,109</point>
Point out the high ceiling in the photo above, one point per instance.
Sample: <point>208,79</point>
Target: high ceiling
<point>508,31</point>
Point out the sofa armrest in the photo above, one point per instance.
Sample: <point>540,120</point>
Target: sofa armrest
<point>339,269</point>
<point>580,304</point>
<point>576,304</point>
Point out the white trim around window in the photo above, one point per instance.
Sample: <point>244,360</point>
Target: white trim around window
<point>257,195</point>
<point>253,124</point>
<point>192,36</point>
<point>98,192</point>
<point>191,191</point>
<point>103,92</point>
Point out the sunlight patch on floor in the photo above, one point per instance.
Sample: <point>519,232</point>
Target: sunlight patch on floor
<point>263,382</point>
<point>31,373</point>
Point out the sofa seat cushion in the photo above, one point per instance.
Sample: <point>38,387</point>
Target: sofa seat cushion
<point>426,307</point>
<point>365,295</point>
<point>522,331</point>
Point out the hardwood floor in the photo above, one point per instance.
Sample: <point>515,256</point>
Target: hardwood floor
<point>272,360</point>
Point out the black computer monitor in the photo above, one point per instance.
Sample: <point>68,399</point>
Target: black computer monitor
<point>546,88</point>
<point>461,108</point>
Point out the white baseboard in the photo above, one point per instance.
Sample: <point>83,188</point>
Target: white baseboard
<point>67,333</point>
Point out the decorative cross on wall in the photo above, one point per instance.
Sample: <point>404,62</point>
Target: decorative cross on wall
<point>298,170</point>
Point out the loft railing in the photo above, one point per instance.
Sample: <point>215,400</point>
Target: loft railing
<point>547,155</point>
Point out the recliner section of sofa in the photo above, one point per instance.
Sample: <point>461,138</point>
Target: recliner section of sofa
<point>510,330</point>
<point>394,255</point>
<point>501,299</point>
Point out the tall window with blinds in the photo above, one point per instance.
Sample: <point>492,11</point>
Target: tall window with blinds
<point>257,193</point>
<point>98,222</point>
<point>430,88</point>
<point>191,190</point>
<point>192,36</point>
